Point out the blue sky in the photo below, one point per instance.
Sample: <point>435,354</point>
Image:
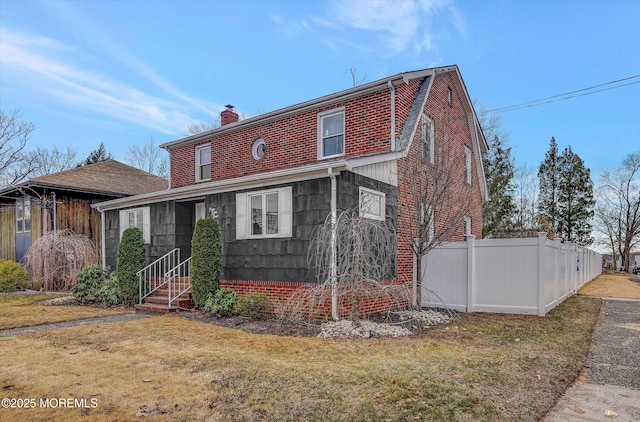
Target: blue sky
<point>120,72</point>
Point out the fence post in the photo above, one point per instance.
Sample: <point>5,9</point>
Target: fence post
<point>471,288</point>
<point>542,244</point>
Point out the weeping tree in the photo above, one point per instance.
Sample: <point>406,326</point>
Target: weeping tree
<point>55,259</point>
<point>354,260</point>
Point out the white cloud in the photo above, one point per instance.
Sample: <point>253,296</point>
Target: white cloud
<point>36,63</point>
<point>399,25</point>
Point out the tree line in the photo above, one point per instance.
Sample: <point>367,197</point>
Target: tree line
<point>561,198</point>
<point>18,162</point>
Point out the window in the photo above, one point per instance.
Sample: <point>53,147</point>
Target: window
<point>137,217</point>
<point>428,135</point>
<point>264,214</point>
<point>331,133</point>
<point>372,204</point>
<point>23,214</point>
<point>467,226</point>
<point>203,162</point>
<point>201,212</point>
<point>449,95</point>
<point>258,149</point>
<point>467,165</point>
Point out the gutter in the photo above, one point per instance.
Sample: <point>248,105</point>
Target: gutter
<point>289,175</point>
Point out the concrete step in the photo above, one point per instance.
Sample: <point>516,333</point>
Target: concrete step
<point>154,308</point>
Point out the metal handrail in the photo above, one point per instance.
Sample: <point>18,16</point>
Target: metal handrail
<point>154,275</point>
<point>179,280</point>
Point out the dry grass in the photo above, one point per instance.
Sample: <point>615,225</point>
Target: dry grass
<point>481,367</point>
<point>25,310</point>
<point>612,285</point>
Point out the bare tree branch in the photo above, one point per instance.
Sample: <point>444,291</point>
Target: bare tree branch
<point>14,134</point>
<point>149,158</point>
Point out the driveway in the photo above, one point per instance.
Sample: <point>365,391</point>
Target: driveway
<point>609,387</point>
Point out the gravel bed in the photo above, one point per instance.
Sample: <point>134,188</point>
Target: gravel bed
<point>367,329</point>
<point>65,300</point>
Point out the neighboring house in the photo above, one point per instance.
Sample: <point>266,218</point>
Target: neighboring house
<point>270,179</point>
<point>63,201</point>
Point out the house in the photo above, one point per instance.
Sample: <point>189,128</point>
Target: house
<point>63,201</point>
<point>271,179</point>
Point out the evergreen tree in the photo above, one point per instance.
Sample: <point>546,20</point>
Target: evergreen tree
<point>130,261</point>
<point>548,175</point>
<point>205,260</point>
<point>97,155</point>
<point>575,199</point>
<point>499,212</point>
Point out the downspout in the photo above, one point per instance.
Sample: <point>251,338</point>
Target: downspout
<point>334,265</point>
<point>393,116</point>
<point>103,247</point>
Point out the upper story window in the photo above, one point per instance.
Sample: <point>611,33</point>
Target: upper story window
<point>23,214</point>
<point>428,134</point>
<point>467,165</point>
<point>372,204</point>
<point>449,95</point>
<point>203,162</point>
<point>331,133</point>
<point>265,213</point>
<point>137,217</point>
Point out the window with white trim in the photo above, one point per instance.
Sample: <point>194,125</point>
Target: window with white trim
<point>467,165</point>
<point>201,212</point>
<point>372,204</point>
<point>264,214</point>
<point>137,217</point>
<point>23,214</point>
<point>203,162</point>
<point>467,226</point>
<point>428,134</point>
<point>331,133</point>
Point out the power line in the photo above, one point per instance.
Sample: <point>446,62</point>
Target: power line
<point>566,95</point>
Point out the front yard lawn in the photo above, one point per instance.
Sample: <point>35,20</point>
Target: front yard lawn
<point>25,310</point>
<point>479,367</point>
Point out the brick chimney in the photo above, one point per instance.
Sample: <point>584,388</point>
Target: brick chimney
<point>228,116</point>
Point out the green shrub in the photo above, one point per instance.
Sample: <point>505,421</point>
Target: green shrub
<point>223,302</point>
<point>108,291</point>
<point>88,281</point>
<point>130,261</point>
<point>205,260</point>
<point>254,305</point>
<point>13,276</point>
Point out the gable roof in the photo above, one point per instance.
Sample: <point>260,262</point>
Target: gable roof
<point>106,178</point>
<point>399,147</point>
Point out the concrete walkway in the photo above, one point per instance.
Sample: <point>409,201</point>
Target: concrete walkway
<point>609,388</point>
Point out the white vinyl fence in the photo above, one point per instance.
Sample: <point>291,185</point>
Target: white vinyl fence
<point>515,276</point>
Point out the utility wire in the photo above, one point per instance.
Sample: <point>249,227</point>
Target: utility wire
<point>566,95</point>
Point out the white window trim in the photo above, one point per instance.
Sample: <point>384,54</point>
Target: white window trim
<point>146,222</point>
<point>200,211</point>
<point>285,214</point>
<point>198,164</point>
<point>467,164</point>
<point>428,135</point>
<point>362,209</point>
<point>321,116</point>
